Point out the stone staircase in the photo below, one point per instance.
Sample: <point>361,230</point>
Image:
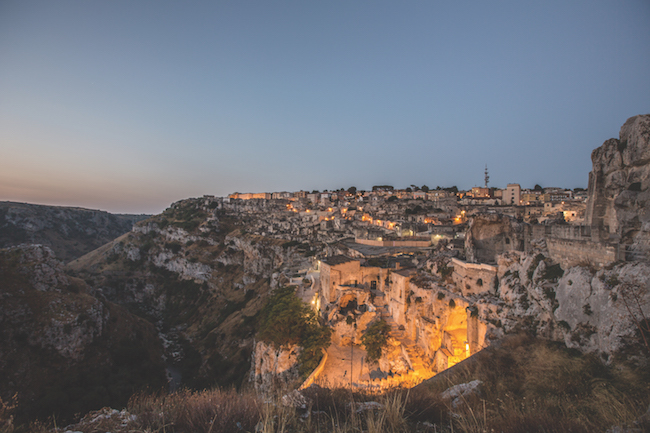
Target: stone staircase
<point>456,350</point>
<point>420,367</point>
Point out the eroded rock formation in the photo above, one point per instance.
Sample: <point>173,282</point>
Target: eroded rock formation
<point>619,194</point>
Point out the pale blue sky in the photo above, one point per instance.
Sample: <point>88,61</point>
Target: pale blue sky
<point>128,106</point>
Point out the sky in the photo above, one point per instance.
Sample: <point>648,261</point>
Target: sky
<point>128,106</point>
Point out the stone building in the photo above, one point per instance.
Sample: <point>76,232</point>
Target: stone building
<point>512,194</point>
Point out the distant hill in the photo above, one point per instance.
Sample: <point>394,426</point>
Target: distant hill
<point>70,232</point>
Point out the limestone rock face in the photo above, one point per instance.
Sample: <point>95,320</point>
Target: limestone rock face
<point>273,368</point>
<point>41,266</point>
<point>491,235</point>
<point>50,318</point>
<point>593,311</point>
<point>619,193</point>
<point>600,309</point>
<point>392,359</point>
<point>345,332</point>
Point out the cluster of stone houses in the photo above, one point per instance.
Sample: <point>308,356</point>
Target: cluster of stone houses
<point>385,216</point>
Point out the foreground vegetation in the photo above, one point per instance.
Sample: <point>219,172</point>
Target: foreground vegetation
<point>528,385</point>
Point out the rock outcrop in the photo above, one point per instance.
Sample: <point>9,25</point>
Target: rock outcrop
<point>595,311</point>
<point>619,187</point>
<point>274,368</point>
<point>201,278</point>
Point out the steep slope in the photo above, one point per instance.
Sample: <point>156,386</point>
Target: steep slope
<point>62,350</point>
<point>69,232</point>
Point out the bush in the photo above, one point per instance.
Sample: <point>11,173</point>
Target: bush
<point>445,271</point>
<point>174,247</point>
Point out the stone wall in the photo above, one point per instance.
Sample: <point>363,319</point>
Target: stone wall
<point>336,274</point>
<point>574,252</point>
<point>401,243</point>
<point>396,294</point>
<point>474,278</point>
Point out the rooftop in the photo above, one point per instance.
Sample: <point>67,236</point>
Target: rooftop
<point>337,260</point>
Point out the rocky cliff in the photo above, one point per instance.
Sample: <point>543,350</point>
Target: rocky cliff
<point>195,273</point>
<point>598,311</point>
<point>274,368</point>
<point>69,232</point>
<point>62,350</point>
<point>619,193</point>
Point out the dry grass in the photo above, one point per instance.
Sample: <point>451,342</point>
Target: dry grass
<point>536,386</point>
<point>7,410</point>
<point>528,386</point>
<point>213,411</point>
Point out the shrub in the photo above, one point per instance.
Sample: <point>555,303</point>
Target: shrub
<point>445,271</point>
<point>174,247</point>
<point>216,411</point>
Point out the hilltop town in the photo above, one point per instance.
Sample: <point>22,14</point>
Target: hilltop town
<point>449,271</point>
<point>387,214</point>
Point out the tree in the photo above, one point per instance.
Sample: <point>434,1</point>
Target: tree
<point>409,190</point>
<point>538,188</point>
<point>352,190</point>
<point>376,339</point>
<point>425,188</point>
<point>285,320</point>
